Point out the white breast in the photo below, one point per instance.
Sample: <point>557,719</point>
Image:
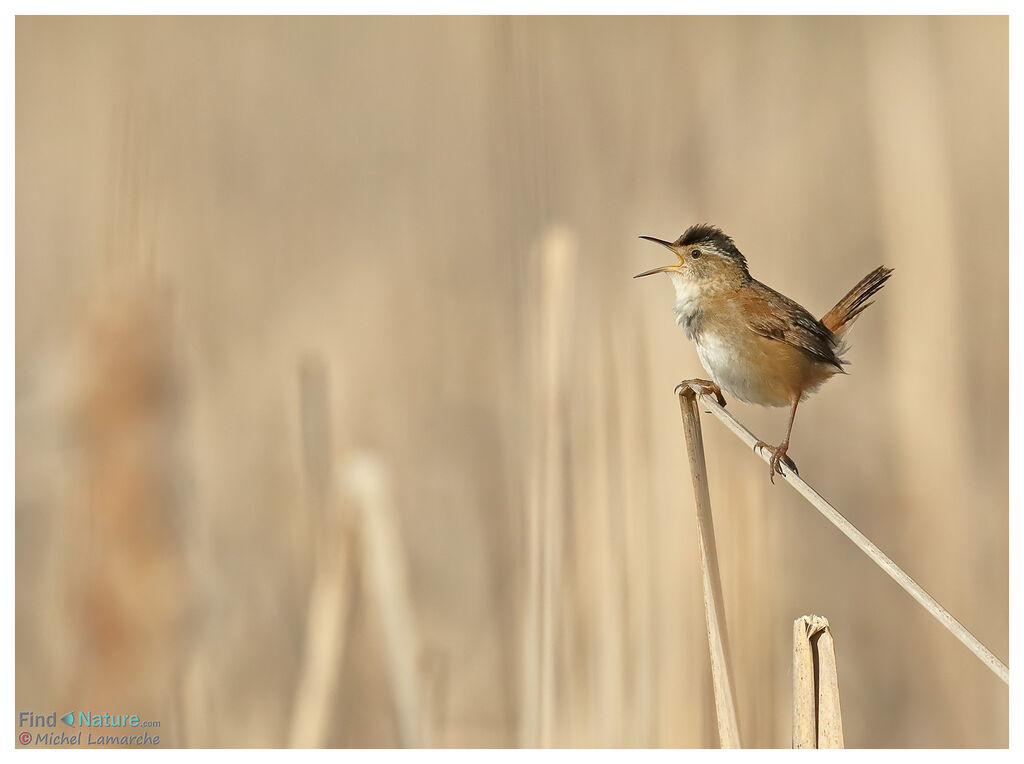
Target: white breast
<point>729,365</point>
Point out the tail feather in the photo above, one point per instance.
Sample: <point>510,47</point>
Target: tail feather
<point>842,316</point>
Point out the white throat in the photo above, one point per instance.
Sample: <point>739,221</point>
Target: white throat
<point>687,303</point>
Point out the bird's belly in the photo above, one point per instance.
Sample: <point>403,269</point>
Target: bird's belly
<point>745,370</point>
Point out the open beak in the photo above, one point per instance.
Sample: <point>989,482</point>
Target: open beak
<point>670,245</point>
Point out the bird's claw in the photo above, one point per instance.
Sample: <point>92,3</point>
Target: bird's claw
<point>704,387</point>
<point>777,459</point>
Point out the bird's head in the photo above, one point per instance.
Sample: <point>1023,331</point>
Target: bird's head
<point>705,255</point>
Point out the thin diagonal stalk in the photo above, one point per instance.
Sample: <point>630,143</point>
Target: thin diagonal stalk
<point>894,571</point>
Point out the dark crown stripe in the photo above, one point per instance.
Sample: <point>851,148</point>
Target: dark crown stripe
<point>702,233</point>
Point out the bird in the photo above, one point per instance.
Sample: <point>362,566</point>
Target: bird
<point>755,343</point>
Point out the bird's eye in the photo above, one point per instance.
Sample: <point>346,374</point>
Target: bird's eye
<point>695,253</point>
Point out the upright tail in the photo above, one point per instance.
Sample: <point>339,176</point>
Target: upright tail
<point>842,316</point>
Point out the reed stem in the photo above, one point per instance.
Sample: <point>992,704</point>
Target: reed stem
<point>863,543</point>
<point>714,609</point>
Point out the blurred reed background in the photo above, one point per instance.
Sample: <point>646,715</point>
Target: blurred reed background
<point>340,421</point>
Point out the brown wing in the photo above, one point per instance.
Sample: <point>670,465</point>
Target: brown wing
<point>777,317</point>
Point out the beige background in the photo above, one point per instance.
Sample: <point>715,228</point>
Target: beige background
<point>341,422</point>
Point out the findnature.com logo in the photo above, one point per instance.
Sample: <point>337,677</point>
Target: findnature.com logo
<point>92,729</point>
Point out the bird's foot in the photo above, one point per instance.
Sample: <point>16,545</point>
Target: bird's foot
<point>778,458</point>
<point>704,387</point>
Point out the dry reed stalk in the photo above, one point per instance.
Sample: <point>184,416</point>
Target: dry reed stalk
<point>325,645</point>
<point>862,542</point>
<point>384,560</point>
<point>633,458</point>
<point>919,209</point>
<point>330,594</point>
<point>830,714</point>
<point>714,607</point>
<point>817,717</point>
<point>315,427</point>
<point>529,722</point>
<point>805,718</point>
<point>606,569</point>
<point>547,491</point>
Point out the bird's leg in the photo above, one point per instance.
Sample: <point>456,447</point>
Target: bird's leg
<point>779,457</point>
<point>704,387</point>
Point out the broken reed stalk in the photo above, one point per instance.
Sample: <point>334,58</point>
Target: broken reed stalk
<point>714,609</point>
<point>894,571</point>
<point>830,715</point>
<point>817,718</point>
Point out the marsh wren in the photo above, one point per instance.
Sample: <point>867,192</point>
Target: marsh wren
<point>756,344</point>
